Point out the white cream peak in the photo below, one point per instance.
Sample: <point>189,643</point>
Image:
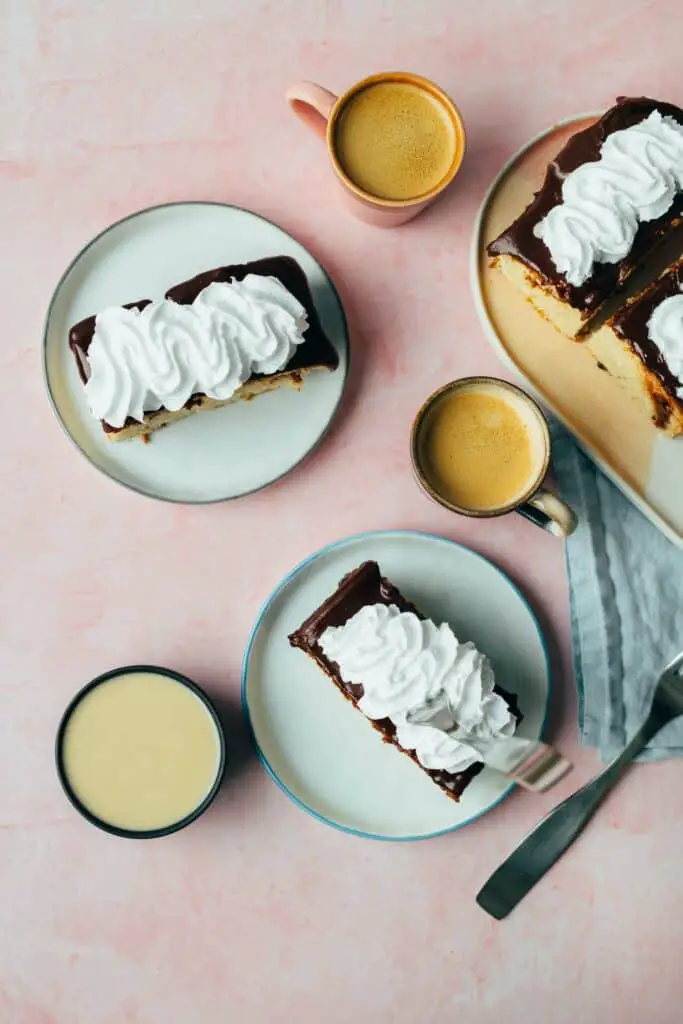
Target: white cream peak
<point>665,330</point>
<point>435,689</point>
<point>158,357</point>
<point>604,201</point>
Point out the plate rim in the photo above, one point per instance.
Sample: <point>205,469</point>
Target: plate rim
<point>639,501</point>
<point>278,589</point>
<point>346,349</point>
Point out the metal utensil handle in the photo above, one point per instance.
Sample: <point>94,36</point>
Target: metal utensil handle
<point>546,843</point>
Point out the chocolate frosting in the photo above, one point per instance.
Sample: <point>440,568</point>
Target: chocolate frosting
<point>366,585</point>
<point>518,239</point>
<point>630,323</point>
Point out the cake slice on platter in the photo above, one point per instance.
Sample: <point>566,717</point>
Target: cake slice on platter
<point>609,198</point>
<point>642,345</point>
<point>421,688</point>
<point>229,333</point>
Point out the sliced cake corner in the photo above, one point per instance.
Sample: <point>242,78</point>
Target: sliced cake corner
<point>642,346</point>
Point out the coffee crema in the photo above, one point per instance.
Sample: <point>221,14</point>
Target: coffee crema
<point>478,451</point>
<point>395,140</point>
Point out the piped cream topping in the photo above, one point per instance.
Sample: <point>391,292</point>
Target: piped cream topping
<point>665,330</point>
<point>638,175</point>
<point>143,360</point>
<point>435,690</point>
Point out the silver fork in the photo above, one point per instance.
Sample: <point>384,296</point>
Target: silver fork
<point>546,843</point>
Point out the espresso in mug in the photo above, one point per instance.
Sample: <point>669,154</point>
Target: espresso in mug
<point>395,140</point>
<point>481,448</point>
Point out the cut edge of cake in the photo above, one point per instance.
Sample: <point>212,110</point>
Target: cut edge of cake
<point>571,322</point>
<point>618,350</point>
<point>154,421</point>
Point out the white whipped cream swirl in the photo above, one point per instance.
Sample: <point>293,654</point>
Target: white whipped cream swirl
<point>435,690</point>
<point>636,179</point>
<point>141,361</point>
<point>665,330</point>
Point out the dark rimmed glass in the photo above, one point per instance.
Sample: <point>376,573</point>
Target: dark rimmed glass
<point>99,822</point>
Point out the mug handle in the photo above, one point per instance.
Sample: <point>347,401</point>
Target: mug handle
<point>312,104</point>
<point>549,512</point>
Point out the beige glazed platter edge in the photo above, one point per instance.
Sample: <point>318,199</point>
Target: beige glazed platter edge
<point>611,429</point>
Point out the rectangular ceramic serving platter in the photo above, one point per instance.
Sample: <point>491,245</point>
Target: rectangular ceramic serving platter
<point>645,465</point>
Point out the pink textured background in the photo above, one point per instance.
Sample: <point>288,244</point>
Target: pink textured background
<point>258,913</point>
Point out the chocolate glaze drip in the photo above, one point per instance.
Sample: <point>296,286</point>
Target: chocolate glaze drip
<point>366,585</point>
<point>519,240</point>
<point>630,323</point>
<point>315,351</point>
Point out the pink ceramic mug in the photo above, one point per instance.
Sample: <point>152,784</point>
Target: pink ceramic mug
<point>320,110</point>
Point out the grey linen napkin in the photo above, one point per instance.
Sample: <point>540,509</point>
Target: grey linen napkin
<point>626,601</point>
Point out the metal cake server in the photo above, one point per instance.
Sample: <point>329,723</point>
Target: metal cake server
<point>532,764</point>
<point>546,843</point>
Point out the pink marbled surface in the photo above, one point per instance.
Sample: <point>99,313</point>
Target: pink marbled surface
<point>258,913</point>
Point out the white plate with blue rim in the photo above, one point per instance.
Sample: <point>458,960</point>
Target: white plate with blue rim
<point>216,455</point>
<point>320,750</point>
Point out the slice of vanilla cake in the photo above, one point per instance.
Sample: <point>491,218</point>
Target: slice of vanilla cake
<point>229,333</point>
<point>642,345</point>
<point>610,196</point>
<point>422,689</point>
